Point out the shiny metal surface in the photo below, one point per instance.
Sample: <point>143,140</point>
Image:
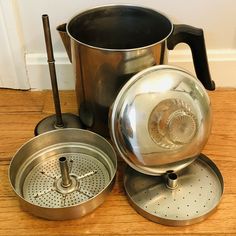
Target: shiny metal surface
<point>108,45</point>
<point>161,120</point>
<point>196,196</point>
<point>63,174</point>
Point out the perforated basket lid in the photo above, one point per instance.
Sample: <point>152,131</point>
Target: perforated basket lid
<point>160,120</point>
<point>183,198</point>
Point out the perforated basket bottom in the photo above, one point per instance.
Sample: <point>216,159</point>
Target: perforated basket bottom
<point>199,190</point>
<point>42,185</point>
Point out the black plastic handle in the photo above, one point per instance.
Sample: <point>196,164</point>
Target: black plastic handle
<point>194,37</point>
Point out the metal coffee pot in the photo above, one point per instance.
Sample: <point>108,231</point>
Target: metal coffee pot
<point>107,45</point>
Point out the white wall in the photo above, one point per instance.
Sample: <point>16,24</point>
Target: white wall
<point>216,17</point>
<point>12,61</point>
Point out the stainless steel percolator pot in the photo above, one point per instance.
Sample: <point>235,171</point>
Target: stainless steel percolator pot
<point>109,44</point>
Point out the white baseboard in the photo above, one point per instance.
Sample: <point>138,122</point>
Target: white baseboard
<point>222,64</point>
<point>38,72</point>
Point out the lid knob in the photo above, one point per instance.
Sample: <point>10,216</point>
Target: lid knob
<point>172,123</point>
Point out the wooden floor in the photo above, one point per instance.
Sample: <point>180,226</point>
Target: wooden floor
<point>19,113</point>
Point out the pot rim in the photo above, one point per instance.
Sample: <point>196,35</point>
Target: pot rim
<point>115,49</point>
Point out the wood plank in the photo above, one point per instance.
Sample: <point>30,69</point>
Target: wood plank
<point>19,113</point>
<point>67,100</point>
<point>12,101</point>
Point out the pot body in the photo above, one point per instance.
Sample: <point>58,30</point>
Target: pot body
<point>108,45</point>
<point>101,74</point>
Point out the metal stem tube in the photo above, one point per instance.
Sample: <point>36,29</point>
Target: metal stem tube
<point>52,70</point>
<point>172,182</point>
<point>66,181</point>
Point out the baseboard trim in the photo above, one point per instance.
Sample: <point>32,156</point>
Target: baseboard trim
<point>38,73</point>
<point>222,65</point>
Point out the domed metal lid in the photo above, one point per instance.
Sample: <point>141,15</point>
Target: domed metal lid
<point>160,120</point>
